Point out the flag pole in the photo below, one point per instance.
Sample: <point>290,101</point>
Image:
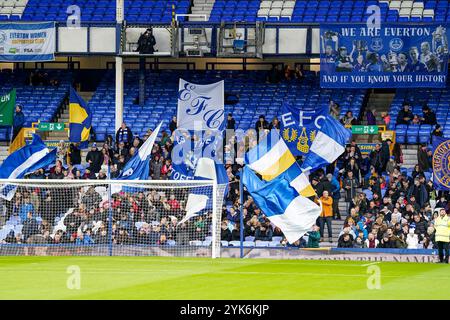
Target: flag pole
<point>241,228</point>
<point>11,135</point>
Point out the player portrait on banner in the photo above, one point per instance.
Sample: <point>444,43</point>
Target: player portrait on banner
<point>392,57</point>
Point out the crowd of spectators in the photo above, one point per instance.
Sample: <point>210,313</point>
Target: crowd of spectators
<point>388,207</point>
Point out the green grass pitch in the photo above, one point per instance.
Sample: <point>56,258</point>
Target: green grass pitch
<point>199,278</point>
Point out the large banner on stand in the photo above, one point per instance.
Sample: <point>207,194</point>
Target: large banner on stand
<point>392,56</point>
<point>23,42</point>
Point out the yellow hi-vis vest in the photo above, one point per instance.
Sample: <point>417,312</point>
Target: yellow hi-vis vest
<point>442,226</point>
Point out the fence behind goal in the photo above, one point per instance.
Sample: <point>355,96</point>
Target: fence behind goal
<point>106,217</point>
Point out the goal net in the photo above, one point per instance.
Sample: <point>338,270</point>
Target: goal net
<point>106,217</point>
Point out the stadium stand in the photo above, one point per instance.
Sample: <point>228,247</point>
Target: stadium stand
<point>253,91</point>
<point>136,11</point>
<point>40,102</point>
<point>438,101</point>
<point>311,11</point>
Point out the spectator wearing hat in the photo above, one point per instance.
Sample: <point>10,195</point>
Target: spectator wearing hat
<point>18,121</point>
<point>95,159</point>
<point>437,132</point>
<point>314,237</point>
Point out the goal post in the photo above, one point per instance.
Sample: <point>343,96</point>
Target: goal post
<point>110,217</point>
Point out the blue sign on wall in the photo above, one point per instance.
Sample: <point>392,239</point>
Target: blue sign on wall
<point>392,56</point>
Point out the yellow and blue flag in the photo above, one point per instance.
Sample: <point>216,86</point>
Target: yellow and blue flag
<point>80,120</point>
<point>271,158</point>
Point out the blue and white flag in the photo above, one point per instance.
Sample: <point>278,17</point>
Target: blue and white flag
<point>200,198</point>
<point>282,204</point>
<point>188,148</point>
<point>138,167</point>
<point>201,107</point>
<point>328,145</point>
<point>27,159</point>
<point>299,128</point>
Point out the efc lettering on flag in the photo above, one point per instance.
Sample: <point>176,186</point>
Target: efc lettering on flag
<point>299,128</point>
<point>200,107</point>
<point>80,119</point>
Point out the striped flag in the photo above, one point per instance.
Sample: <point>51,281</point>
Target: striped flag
<point>272,158</point>
<point>328,145</point>
<point>27,159</point>
<point>282,204</point>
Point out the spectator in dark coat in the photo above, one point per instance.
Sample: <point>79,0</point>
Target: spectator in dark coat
<point>350,184</point>
<point>371,119</point>
<point>74,154</point>
<point>385,153</point>
<point>261,124</point>
<point>173,124</point>
<point>263,233</point>
<point>18,121</point>
<point>146,42</point>
<point>429,117</point>
<point>56,174</point>
<point>376,159</point>
<point>422,158</point>
<point>437,132</point>
<point>94,158</point>
<point>405,115</point>
<point>225,234</point>
<point>30,227</point>
<point>231,123</point>
<point>419,191</point>
<point>420,226</point>
<point>345,241</point>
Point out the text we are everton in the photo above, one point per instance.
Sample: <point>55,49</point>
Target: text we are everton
<point>387,32</point>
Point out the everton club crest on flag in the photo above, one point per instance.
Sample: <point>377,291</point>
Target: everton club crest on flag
<point>299,127</point>
<point>200,107</point>
<point>441,164</point>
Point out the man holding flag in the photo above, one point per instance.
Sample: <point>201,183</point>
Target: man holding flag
<point>19,121</point>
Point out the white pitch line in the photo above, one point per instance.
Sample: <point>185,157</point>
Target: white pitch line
<point>370,264</point>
